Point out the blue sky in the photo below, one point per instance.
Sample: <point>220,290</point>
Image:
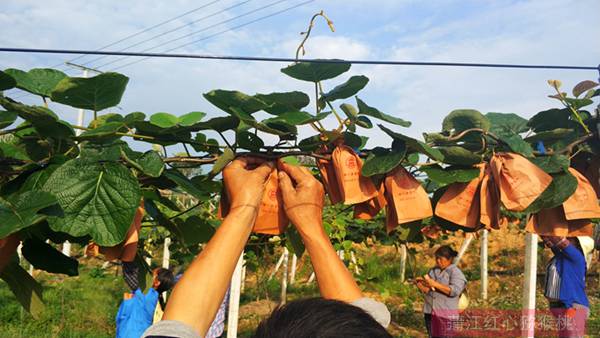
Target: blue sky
<point>544,31</point>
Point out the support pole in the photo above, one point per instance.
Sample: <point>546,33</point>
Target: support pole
<point>464,247</point>
<point>353,260</point>
<point>166,253</point>
<point>234,299</point>
<point>403,254</point>
<point>284,276</point>
<point>311,278</point>
<point>277,266</point>
<point>529,284</point>
<point>293,271</point>
<point>484,264</point>
<point>243,286</point>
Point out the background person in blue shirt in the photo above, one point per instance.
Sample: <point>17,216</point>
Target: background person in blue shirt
<point>137,310</point>
<point>572,306</point>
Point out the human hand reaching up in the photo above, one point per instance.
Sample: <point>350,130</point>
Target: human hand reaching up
<point>302,196</point>
<point>245,179</point>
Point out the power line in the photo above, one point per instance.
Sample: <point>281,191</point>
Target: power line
<point>209,27</point>
<point>171,30</point>
<point>277,59</point>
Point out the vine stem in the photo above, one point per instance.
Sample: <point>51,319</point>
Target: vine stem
<point>577,116</point>
<point>337,116</point>
<point>309,30</point>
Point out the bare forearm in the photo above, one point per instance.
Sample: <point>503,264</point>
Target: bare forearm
<point>334,279</point>
<point>445,289</point>
<point>198,295</point>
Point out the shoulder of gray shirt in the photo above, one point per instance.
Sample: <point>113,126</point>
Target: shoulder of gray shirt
<point>173,328</point>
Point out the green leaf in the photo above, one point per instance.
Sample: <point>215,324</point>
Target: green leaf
<point>6,81</point>
<point>223,160</point>
<point>107,130</point>
<point>38,81</point>
<point>194,230</point>
<point>310,143</point>
<point>45,257</point>
<point>449,175</point>
<point>185,184</point>
<point>364,109</point>
<point>578,103</point>
<point>350,111</point>
<point>251,121</point>
<point>352,140</point>
<point>459,155</point>
<point>164,120</point>
<point>315,71</point>
<point>98,199</point>
<point>364,122</point>
<point>549,119</point>
<point>249,141</point>
<point>279,103</point>
<point>463,119</point>
<point>227,99</point>
<point>151,163</point>
<point>517,144</point>
<point>382,161</point>
<point>45,122</point>
<point>414,144</point>
<point>95,93</point>
<point>21,210</point>
<point>294,242</point>
<point>552,164</point>
<point>219,124</point>
<point>563,185</point>
<point>502,123</point>
<point>95,152</point>
<point>131,118</point>
<point>298,118</point>
<point>346,89</point>
<point>583,86</point>
<point>25,288</point>
<point>8,150</point>
<point>550,135</point>
<point>190,118</point>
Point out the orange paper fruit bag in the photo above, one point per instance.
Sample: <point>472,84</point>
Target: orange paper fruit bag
<point>271,218</point>
<point>520,181</point>
<point>407,199</point>
<point>552,222</point>
<point>460,203</point>
<point>329,181</point>
<point>354,187</point>
<point>583,203</point>
<point>369,209</point>
<point>489,200</point>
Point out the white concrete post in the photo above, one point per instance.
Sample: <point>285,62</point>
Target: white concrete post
<point>529,285</point>
<point>166,253</point>
<point>464,247</point>
<point>484,264</point>
<point>353,260</point>
<point>243,286</point>
<point>284,276</point>
<point>403,254</point>
<point>293,271</point>
<point>277,266</point>
<point>234,299</point>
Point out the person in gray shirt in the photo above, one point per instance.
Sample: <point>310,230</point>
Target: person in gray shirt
<point>341,312</point>
<point>442,287</point>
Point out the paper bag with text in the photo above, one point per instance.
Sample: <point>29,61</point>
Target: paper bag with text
<point>329,180</point>
<point>406,198</point>
<point>583,203</point>
<point>369,209</point>
<point>520,181</point>
<point>354,187</point>
<point>271,218</point>
<point>460,204</point>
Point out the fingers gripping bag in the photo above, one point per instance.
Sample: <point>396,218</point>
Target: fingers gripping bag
<point>583,204</point>
<point>520,182</point>
<point>8,247</point>
<point>406,198</point>
<point>327,171</point>
<point>271,218</point>
<point>354,187</point>
<point>369,209</point>
<point>460,204</point>
<point>489,201</point>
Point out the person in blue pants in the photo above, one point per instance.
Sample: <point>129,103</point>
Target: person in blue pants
<point>137,309</point>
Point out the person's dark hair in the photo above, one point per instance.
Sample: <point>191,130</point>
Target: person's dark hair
<point>167,281</point>
<point>445,251</point>
<point>318,317</point>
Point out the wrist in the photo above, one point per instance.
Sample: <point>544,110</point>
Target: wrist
<point>244,212</point>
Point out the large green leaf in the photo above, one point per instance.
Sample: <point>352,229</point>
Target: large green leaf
<point>316,71</point>
<point>346,89</point>
<point>164,120</point>
<point>45,257</point>
<point>185,184</point>
<point>105,131</point>
<point>249,141</point>
<point>459,155</point>
<point>25,288</point>
<point>194,230</point>
<point>414,144</point>
<point>502,123</point>
<point>550,135</point>
<point>449,175</point>
<point>227,99</point>
<point>549,119</point>
<point>223,160</point>
<point>298,117</point>
<point>463,119</point>
<point>38,81</point>
<point>365,109</point>
<point>98,199</point>
<point>6,81</point>
<point>381,161</point>
<point>150,163</point>
<point>22,210</point>
<point>251,121</point>
<point>279,103</point>
<point>219,124</point>
<point>190,118</point>
<point>95,93</point>
<point>552,164</point>
<point>517,144</point>
<point>45,122</point>
<point>562,187</point>
<point>310,143</point>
